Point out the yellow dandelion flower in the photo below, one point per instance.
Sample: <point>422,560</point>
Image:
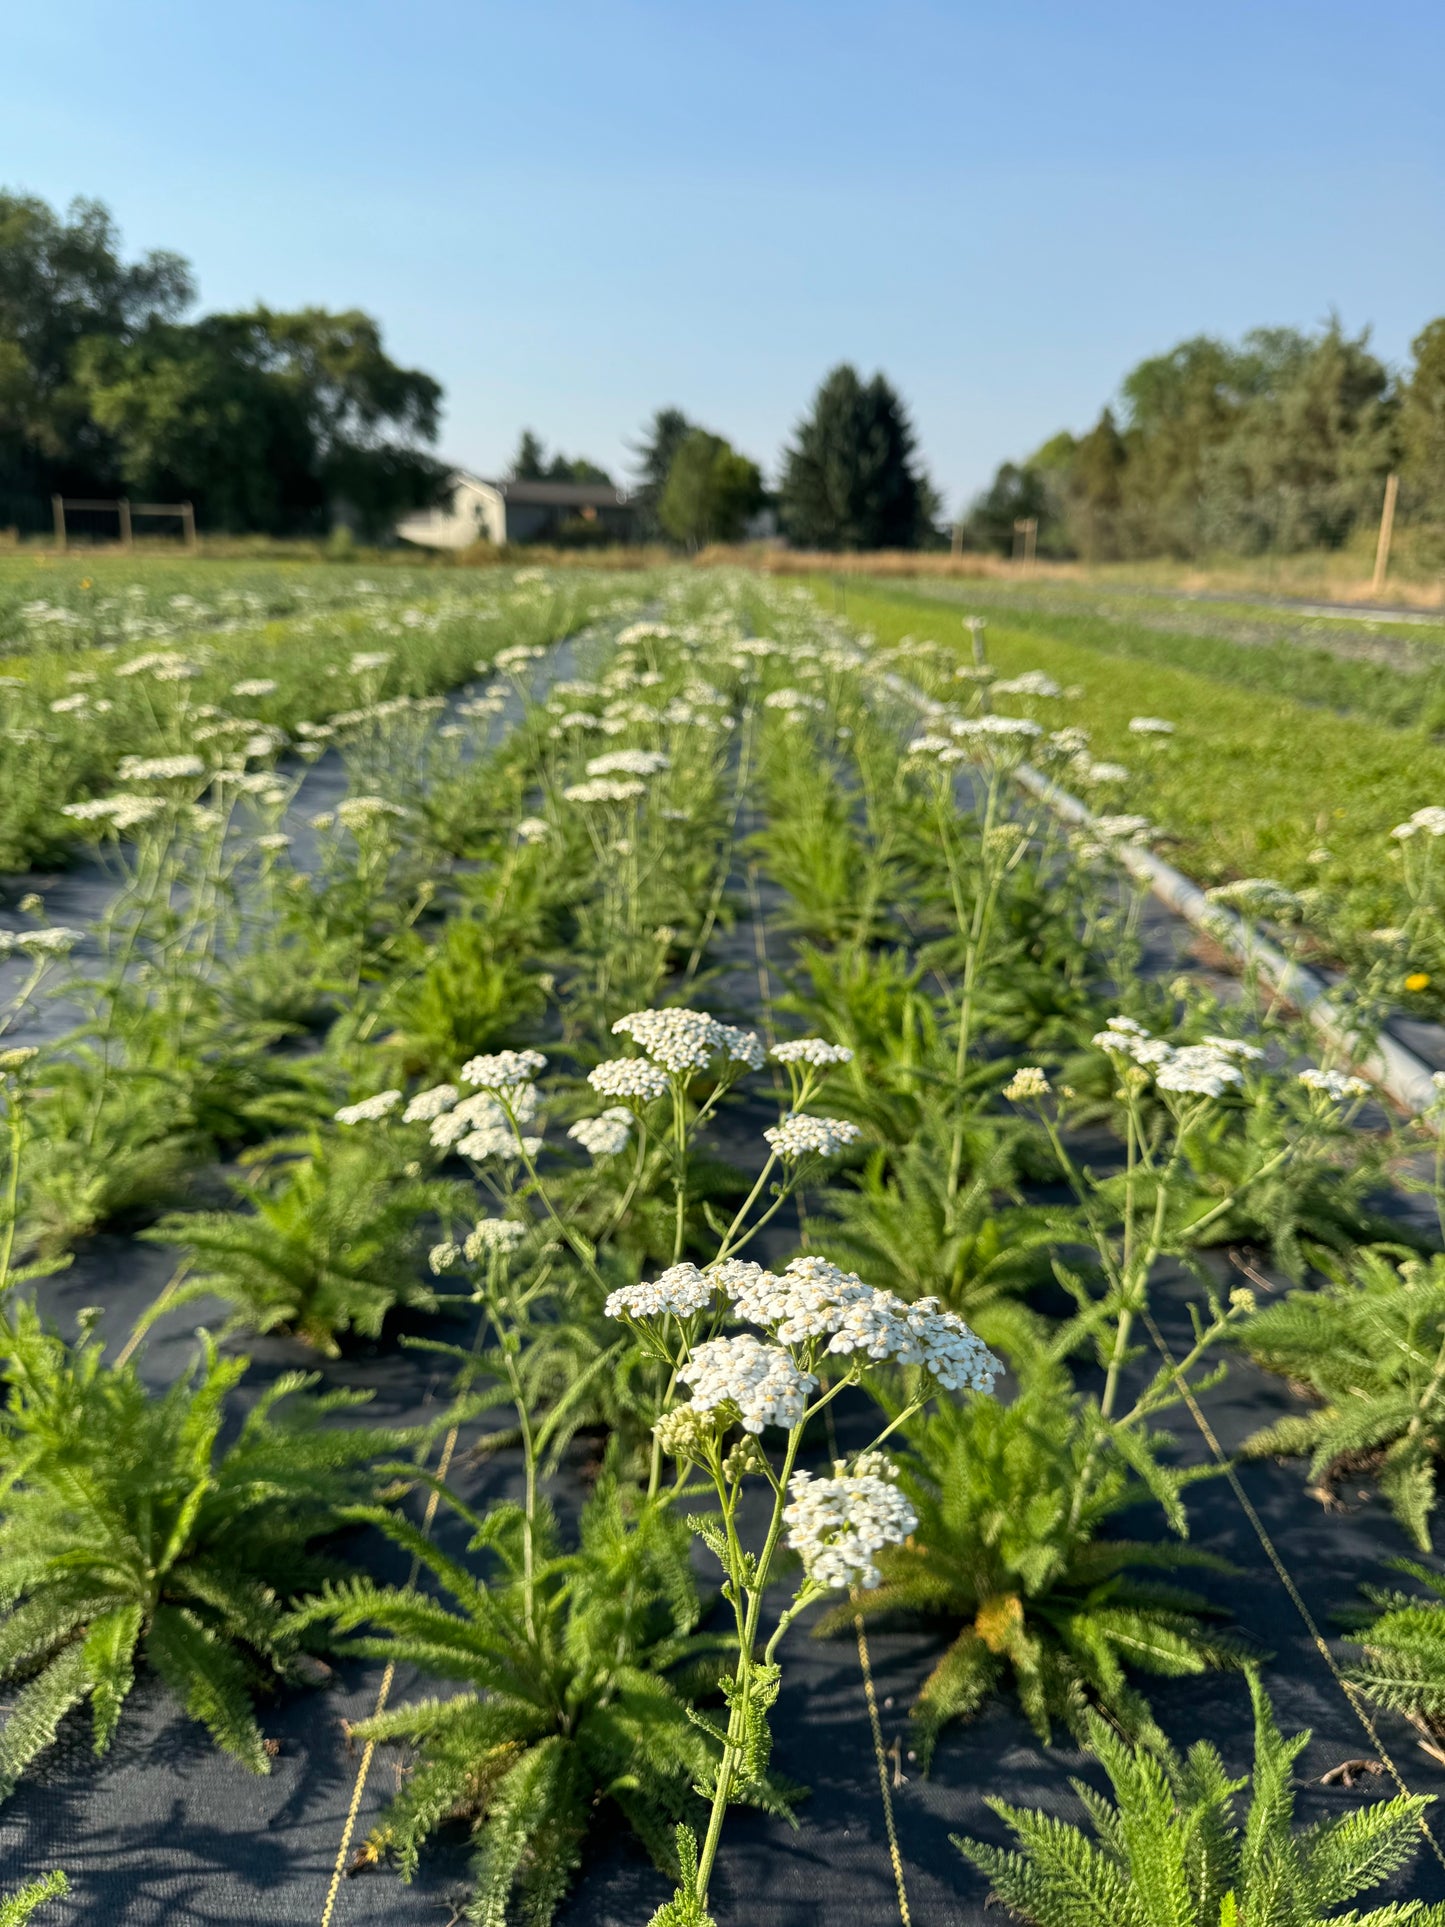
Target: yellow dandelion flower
<point>1418,980</point>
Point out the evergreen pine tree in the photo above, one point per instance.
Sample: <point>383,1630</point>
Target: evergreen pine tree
<point>850,480</point>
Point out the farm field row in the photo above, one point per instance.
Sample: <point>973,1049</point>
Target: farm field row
<point>194,694</point>
<point>751,1191</point>
<point>1250,782</point>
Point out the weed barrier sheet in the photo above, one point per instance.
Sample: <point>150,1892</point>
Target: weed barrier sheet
<point>167,1829</point>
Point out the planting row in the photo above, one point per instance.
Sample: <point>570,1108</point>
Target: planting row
<point>860,1292</point>
<point>1248,765</point>
<point>84,727</point>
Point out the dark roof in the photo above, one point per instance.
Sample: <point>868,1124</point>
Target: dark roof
<point>572,495</point>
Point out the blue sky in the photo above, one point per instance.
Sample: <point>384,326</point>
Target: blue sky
<point>574,213</point>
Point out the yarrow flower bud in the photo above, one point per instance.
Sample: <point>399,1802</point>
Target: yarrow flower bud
<point>369,1109</point>
<point>1029,1082</point>
<point>443,1256</point>
<point>683,1433</point>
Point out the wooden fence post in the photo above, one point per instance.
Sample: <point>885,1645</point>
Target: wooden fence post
<point>188,517</point>
<point>1387,529</point>
<point>57,506</point>
<point>127,539</point>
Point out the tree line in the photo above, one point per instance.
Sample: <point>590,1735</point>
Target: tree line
<point>850,479</point>
<point>1282,441</point>
<point>286,422</point>
<point>267,421</point>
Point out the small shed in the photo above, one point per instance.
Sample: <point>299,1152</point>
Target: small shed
<point>475,510</point>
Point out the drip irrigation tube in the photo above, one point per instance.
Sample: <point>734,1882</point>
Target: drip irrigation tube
<point>1397,1071</point>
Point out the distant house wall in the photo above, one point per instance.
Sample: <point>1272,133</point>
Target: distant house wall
<point>474,512</point>
<point>519,511</point>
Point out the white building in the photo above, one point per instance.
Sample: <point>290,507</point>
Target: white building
<point>474,510</point>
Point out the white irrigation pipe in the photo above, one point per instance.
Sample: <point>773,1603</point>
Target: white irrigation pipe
<point>1406,1077</point>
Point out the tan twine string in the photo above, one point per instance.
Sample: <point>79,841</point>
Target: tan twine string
<point>894,1854</point>
<point>338,1871</point>
<point>1352,1694</point>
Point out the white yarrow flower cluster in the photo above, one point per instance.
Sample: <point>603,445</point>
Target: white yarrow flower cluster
<point>1256,897</point>
<point>493,1234</point>
<point>1195,1070</point>
<point>159,769</point>
<point>1334,1085</point>
<point>430,1104</point>
<point>497,1141</point>
<point>680,1292</point>
<point>810,1050</point>
<point>837,1526</point>
<point>370,1109</point>
<point>1236,1047</point>
<point>606,789</point>
<point>688,1040</point>
<point>1033,682</point>
<point>503,1070</point>
<point>632,1077</point>
<point>629,762</point>
<point>1427,822</point>
<point>801,1136</point>
<point>1150,726</point>
<point>1198,1070</point>
<point>814,1299</point>
<point>605,1136</point>
<point>120,812</point>
<point>480,1112</point>
<point>760,1380</point>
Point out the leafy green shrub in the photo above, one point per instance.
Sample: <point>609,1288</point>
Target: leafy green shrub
<point>897,1221</point>
<point>1370,1345</point>
<point>1010,1503</point>
<point>469,998</point>
<point>1404,1641</point>
<point>107,1145</point>
<point>130,1534</point>
<point>565,1709</point>
<point>1168,1846</point>
<point>333,1241</point>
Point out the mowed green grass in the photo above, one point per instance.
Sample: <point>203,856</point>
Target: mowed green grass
<point>1253,783</point>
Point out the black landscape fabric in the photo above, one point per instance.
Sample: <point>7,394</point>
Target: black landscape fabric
<point>166,1829</point>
